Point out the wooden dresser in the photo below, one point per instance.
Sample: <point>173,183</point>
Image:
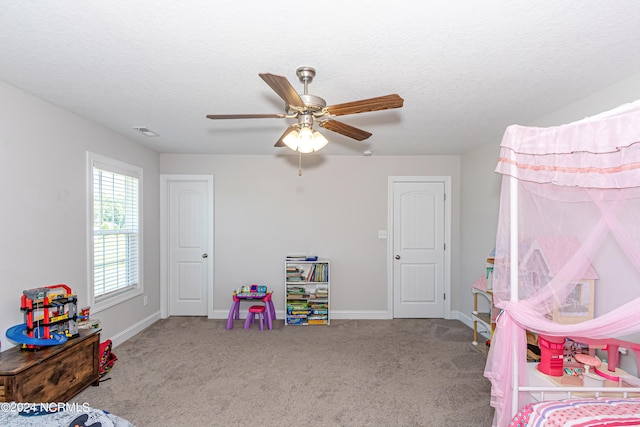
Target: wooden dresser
<point>51,374</point>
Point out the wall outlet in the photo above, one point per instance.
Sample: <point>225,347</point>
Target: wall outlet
<point>145,300</point>
<point>382,234</point>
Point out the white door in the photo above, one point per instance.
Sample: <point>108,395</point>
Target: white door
<point>418,252</point>
<point>189,222</point>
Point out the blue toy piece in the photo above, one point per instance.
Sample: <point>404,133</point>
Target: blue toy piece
<point>18,333</point>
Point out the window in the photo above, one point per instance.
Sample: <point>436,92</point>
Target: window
<point>115,247</point>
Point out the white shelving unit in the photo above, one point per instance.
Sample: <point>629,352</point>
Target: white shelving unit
<point>307,292</point>
<point>484,313</point>
<point>543,387</point>
<point>483,321</point>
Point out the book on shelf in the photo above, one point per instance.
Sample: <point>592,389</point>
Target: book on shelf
<point>294,312</point>
<point>311,272</point>
<point>297,305</point>
<point>318,273</point>
<point>318,305</point>
<point>295,274</point>
<point>301,257</point>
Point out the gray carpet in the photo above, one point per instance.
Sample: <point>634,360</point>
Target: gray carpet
<point>191,371</point>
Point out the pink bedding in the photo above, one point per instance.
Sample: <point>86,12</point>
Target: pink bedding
<point>588,412</point>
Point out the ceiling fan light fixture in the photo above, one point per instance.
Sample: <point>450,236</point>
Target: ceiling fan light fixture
<point>319,141</point>
<point>291,140</point>
<point>305,140</point>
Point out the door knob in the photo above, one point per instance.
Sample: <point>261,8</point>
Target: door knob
<point>204,255</point>
<point>397,256</point>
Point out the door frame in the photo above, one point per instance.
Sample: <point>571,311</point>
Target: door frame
<point>447,238</point>
<point>164,239</point>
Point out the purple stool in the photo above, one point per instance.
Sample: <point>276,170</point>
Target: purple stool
<point>251,316</point>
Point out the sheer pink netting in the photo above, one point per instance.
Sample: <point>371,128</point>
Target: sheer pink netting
<point>577,194</point>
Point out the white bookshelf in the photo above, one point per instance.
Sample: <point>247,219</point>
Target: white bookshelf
<point>307,292</point>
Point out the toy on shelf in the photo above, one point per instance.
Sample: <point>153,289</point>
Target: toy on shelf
<point>50,317</point>
<point>568,362</point>
<point>85,321</point>
<point>551,355</point>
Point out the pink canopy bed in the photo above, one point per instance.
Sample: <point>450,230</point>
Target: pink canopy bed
<point>567,259</point>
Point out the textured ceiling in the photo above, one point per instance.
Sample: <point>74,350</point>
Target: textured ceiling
<point>466,68</point>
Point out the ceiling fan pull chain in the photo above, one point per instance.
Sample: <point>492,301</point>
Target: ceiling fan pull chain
<point>299,163</point>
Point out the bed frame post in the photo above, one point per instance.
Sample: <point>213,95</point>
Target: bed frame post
<point>513,277</point>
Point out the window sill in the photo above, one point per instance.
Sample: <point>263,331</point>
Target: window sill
<point>117,297</point>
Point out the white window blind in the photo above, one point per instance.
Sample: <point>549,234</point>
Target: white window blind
<point>116,225</point>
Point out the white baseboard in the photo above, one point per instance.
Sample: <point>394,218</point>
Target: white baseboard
<point>134,329</point>
<point>360,315</point>
<point>138,327</point>
<point>467,320</point>
<point>356,315</point>
<point>363,315</point>
<point>463,317</point>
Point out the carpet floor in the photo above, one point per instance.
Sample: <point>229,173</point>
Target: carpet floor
<point>187,371</point>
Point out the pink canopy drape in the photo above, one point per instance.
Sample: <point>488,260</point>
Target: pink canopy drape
<point>576,191</point>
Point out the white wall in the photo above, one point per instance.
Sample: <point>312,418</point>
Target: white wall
<point>481,187</point>
<point>264,210</point>
<point>44,208</point>
<point>478,218</point>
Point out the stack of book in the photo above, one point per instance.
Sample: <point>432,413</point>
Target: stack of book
<point>297,312</point>
<point>294,274</point>
<point>301,257</point>
<point>295,293</point>
<point>322,292</point>
<point>318,313</point>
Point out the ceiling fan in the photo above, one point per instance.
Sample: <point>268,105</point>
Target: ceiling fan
<point>309,109</point>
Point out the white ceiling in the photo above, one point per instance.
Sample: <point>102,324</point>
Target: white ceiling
<point>466,68</point>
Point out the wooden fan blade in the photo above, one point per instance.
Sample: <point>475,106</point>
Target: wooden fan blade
<point>283,88</point>
<point>363,106</point>
<point>345,129</point>
<point>280,141</point>
<point>245,116</point>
